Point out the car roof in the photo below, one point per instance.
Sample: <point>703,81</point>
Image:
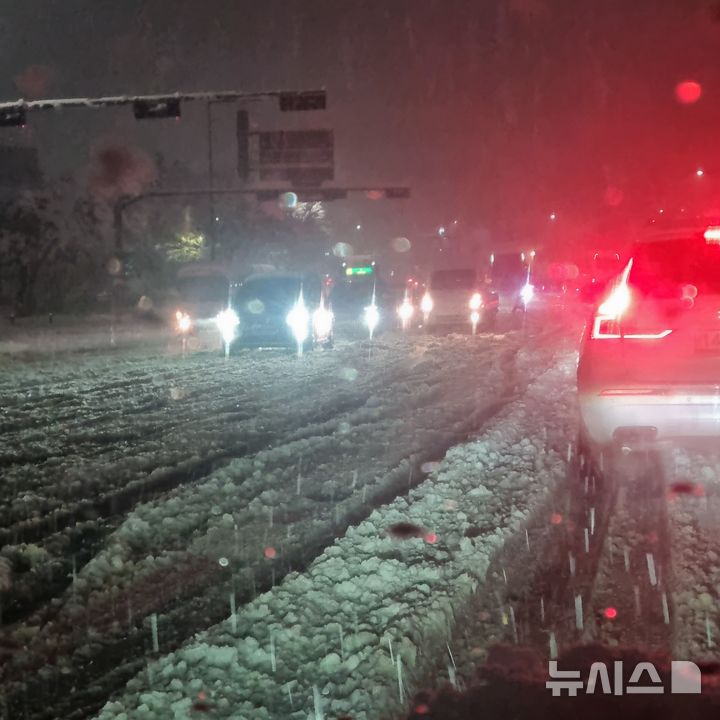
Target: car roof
<point>278,275</point>
<point>676,230</point>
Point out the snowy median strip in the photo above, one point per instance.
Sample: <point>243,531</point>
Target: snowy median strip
<point>367,621</point>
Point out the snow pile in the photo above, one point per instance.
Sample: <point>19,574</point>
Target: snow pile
<point>310,463</point>
<point>363,626</point>
<point>694,518</point>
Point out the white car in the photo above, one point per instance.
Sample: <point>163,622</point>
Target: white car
<point>649,367</point>
<point>456,297</point>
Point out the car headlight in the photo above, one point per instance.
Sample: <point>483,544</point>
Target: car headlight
<point>406,310</point>
<point>476,301</point>
<point>526,294</point>
<point>323,321</point>
<point>298,319</point>
<point>426,304</point>
<point>371,316</point>
<point>227,322</point>
<point>183,321</point>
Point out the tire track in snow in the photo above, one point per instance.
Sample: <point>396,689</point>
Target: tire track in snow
<point>187,617</point>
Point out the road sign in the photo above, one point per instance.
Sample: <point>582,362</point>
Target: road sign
<point>364,270</point>
<point>303,100</point>
<point>304,157</point>
<point>397,193</point>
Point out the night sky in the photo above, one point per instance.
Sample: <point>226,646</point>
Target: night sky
<point>495,112</point>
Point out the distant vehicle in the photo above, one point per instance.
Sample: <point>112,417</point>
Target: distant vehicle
<point>650,358</point>
<point>555,285</point>
<point>360,296</point>
<point>277,310</point>
<point>510,277</point>
<point>458,297</point>
<point>201,292</point>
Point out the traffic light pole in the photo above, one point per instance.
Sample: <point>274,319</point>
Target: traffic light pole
<point>211,181</point>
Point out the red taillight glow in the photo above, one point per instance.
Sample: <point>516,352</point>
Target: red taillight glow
<point>617,303</point>
<point>606,324</point>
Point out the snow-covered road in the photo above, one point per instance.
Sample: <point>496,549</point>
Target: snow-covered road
<point>274,537</point>
<point>143,483</point>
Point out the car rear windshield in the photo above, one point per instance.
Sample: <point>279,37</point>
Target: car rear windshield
<point>204,289</point>
<point>453,280</point>
<point>277,290</point>
<point>660,267</point>
<point>360,291</point>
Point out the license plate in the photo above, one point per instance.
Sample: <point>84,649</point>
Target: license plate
<point>708,342</point>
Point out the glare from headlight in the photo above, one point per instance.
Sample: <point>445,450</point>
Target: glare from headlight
<point>298,319</point>
<point>476,301</point>
<point>227,322</point>
<point>184,321</point>
<point>426,304</point>
<point>474,317</point>
<point>322,321</point>
<point>406,310</point>
<point>526,294</point>
<point>371,317</point>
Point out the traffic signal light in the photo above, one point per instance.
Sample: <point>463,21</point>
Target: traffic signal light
<point>397,193</point>
<point>12,116</point>
<point>302,100</point>
<point>156,108</point>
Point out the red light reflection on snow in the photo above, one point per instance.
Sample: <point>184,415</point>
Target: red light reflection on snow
<point>685,487</point>
<point>431,538</point>
<point>610,613</point>
<point>270,553</point>
<point>556,519</point>
<point>422,709</point>
<point>688,92</point>
<point>201,704</point>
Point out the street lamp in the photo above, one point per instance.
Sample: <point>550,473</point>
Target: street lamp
<point>699,172</point>
<point>553,216</point>
<point>441,231</point>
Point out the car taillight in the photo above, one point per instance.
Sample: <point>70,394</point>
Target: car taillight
<point>619,316</point>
